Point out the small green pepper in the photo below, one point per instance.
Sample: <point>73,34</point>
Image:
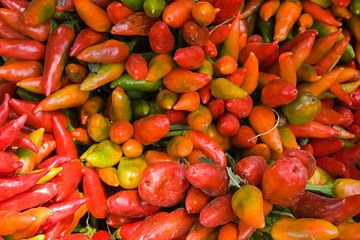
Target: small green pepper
<point>102,155</point>
<point>141,108</point>
<point>98,127</point>
<point>129,83</point>
<point>136,5</point>
<point>154,8</point>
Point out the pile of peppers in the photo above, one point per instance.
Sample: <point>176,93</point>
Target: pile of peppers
<point>180,119</point>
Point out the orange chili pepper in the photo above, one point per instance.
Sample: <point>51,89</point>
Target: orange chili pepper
<point>19,70</point>
<point>269,9</point>
<point>287,68</point>
<point>228,231</point>
<point>313,129</point>
<point>188,101</point>
<point>159,66</point>
<point>108,176</point>
<point>260,149</point>
<point>320,14</point>
<point>251,79</point>
<point>286,16</point>
<point>262,119</point>
<point>340,93</point>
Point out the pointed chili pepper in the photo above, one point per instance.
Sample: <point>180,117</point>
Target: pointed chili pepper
<point>4,109</point>
<point>269,9</point>
<point>262,51</point>
<point>219,33</point>
<point>278,92</point>
<point>13,19</point>
<point>166,99</point>
<point>54,162</point>
<point>58,229</point>
<point>11,221</point>
<point>324,147</point>
<point>92,105</point>
<point>19,70</point>
<point>117,11</point>
<point>231,44</point>
<point>288,138</point>
<point>37,120</point>
<point>35,196</point>
<point>81,135</point>
<point>188,101</point>
<point>22,49</point>
<point>38,12</point>
<point>19,5</point>
<point>286,16</point>
<point>68,179</point>
<point>340,93</point>
<point>177,13</point>
<point>86,38</point>
<point>137,24</point>
<point>314,129</point>
<point>136,66</point>
<point>9,164</point>
<point>160,126</point>
<point>120,108</point>
<point>181,80</point>
<point>105,74</point>
<point>9,131</point>
<point>62,210</point>
<point>67,97</point>
<point>57,50</point>
<point>287,228</point>
<point>159,67</point>
<point>34,85</point>
<point>333,56</point>
<point>127,82</point>
<point>87,9</point>
<point>95,192</point>
<point>14,185</point>
<point>65,145</point>
<point>189,57</point>
<point>320,14</point>
<point>224,89</point>
<point>330,116</point>
<point>330,209</point>
<point>331,166</point>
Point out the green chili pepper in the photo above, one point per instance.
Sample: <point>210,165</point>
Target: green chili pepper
<point>136,5</point>
<point>102,155</point>
<point>129,83</point>
<point>141,108</point>
<point>266,29</point>
<point>154,8</point>
<point>224,89</point>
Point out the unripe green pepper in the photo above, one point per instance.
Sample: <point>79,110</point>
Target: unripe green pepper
<point>129,83</point>
<point>224,89</point>
<point>141,108</point>
<point>102,155</point>
<point>136,5</point>
<point>154,8</point>
<point>303,109</point>
<point>129,172</point>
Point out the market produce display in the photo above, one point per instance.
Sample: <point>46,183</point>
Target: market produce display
<point>180,119</point>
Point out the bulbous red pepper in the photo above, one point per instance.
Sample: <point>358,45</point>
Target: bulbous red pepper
<point>118,11</point>
<point>161,39</point>
<point>189,57</point>
<point>334,210</point>
<point>194,34</point>
<point>251,168</point>
<point>35,196</point>
<point>57,50</point>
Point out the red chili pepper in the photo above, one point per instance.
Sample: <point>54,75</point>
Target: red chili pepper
<point>318,13</point>
<point>348,156</point>
<point>64,5</point>
<point>330,116</point>
<point>220,33</point>
<point>55,161</point>
<point>19,5</point>
<point>36,120</point>
<point>65,145</point>
<point>211,149</point>
<point>94,190</point>
<point>68,179</point>
<point>129,228</point>
<point>9,164</point>
<point>78,236</point>
<point>101,235</point>
<point>10,130</point>
<point>331,166</point>
<point>137,23</point>
<point>58,229</point>
<point>23,140</point>
<point>62,210</point>
<point>8,32</point>
<point>194,34</point>
<point>47,147</point>
<point>189,57</point>
<point>136,66</point>
<point>334,210</point>
<point>210,49</point>
<point>9,187</point>
<point>327,146</point>
<point>86,38</point>
<point>251,168</point>
<point>22,49</point>
<point>4,109</point>
<point>19,70</point>
<point>262,51</point>
<point>14,20</point>
<point>151,129</point>
<point>205,94</point>
<point>57,49</point>
<point>161,39</point>
<point>117,11</point>
<point>314,129</point>
<point>228,9</point>
<point>35,196</point>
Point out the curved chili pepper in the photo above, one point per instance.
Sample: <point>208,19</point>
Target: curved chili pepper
<point>137,24</point>
<point>65,145</point>
<point>159,67</point>
<point>331,166</point>
<point>228,9</point>
<point>262,51</point>
<point>333,210</point>
<point>269,9</point>
<point>324,147</point>
<point>19,70</point>
<point>34,85</point>
<point>57,49</point>
<point>13,19</point>
<point>19,5</point>
<point>86,38</point>
<point>129,83</point>
<point>313,129</point>
<point>151,129</point>
<point>54,162</point>
<point>181,80</point>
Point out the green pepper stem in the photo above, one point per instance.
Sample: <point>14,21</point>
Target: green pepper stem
<point>179,127</point>
<point>176,133</point>
<point>326,189</point>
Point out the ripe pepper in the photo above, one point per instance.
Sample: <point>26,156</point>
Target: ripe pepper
<point>57,51</point>
<point>65,145</point>
<point>250,81</point>
<point>320,14</point>
<point>247,203</point>
<point>327,146</point>
<point>12,221</point>
<point>17,184</point>
<point>200,119</point>
<point>87,9</point>
<point>95,192</point>
<point>98,127</point>
<point>200,232</point>
<point>151,129</point>
<point>159,67</point>
<point>137,24</point>
<point>348,231</point>
<point>19,70</point>
<point>67,97</point>
<point>269,9</point>
<point>306,228</point>
<point>38,12</point>
<point>8,32</point>
<point>181,80</point>
<point>33,197</point>
<point>9,164</point>
<point>120,108</point>
<point>117,11</point>
<point>9,131</point>
<point>4,109</point>
<point>129,83</point>
<point>102,155</point>
<point>14,20</point>
<point>231,44</point>
<point>177,13</point>
<point>22,49</point>
<point>314,129</point>
<point>303,109</point>
<point>19,5</point>
<point>262,51</point>
<point>286,17</point>
<point>333,210</point>
<point>86,38</point>
<point>224,89</point>
<point>161,39</point>
<point>34,85</point>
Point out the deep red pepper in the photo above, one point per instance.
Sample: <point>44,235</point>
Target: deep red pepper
<point>117,221</point>
<point>35,196</point>
<point>18,5</point>
<point>77,236</point>
<point>4,109</point>
<point>63,210</point>
<point>23,140</point>
<point>68,179</point>
<point>95,191</point>
<point>118,11</point>
<point>9,164</point>
<point>54,161</point>
<point>9,33</point>
<point>324,147</point>
<point>228,9</point>
<point>334,210</point>
<point>6,88</point>
<point>263,51</point>
<point>288,46</point>
<point>57,230</point>
<point>57,50</point>
<point>22,49</point>
<point>12,186</point>
<point>331,166</point>
<point>39,119</point>
<point>65,145</point>
<point>348,156</point>
<point>9,131</point>
<point>86,38</point>
<point>205,94</point>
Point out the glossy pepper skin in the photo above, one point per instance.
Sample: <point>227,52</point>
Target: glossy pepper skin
<point>86,38</point>
<point>333,210</point>
<point>38,12</point>
<point>9,131</point>
<point>57,51</point>
<point>65,145</point>
<point>151,129</point>
<point>22,49</point>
